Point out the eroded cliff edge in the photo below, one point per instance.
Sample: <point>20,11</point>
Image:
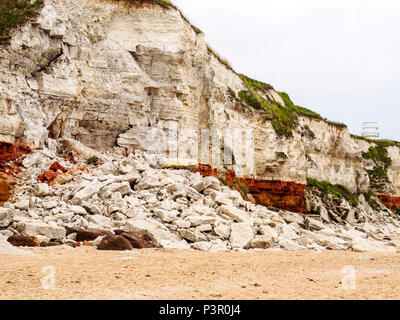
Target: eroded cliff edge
<point>107,73</point>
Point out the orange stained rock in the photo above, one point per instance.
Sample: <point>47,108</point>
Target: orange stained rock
<point>57,166</point>
<point>9,152</point>
<point>5,188</point>
<point>279,194</point>
<point>390,201</point>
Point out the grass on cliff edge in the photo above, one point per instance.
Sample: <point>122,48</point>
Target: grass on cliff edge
<point>163,3</point>
<point>389,143</point>
<point>14,13</point>
<point>256,96</point>
<point>283,117</point>
<point>307,112</point>
<point>337,190</point>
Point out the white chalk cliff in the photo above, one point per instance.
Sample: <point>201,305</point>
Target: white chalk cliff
<point>106,73</point>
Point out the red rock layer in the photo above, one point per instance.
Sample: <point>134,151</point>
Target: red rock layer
<point>390,202</point>
<point>279,194</point>
<point>4,191</point>
<point>49,175</point>
<point>228,177</point>
<point>206,171</point>
<point>9,152</point>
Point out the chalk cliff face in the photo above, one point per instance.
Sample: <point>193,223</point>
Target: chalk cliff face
<point>106,73</point>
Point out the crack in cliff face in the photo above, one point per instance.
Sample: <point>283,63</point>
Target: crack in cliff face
<point>58,125</point>
<point>51,61</point>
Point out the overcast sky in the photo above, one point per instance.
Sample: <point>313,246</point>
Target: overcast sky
<point>340,58</point>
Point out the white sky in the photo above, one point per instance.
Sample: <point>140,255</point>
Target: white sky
<point>340,58</point>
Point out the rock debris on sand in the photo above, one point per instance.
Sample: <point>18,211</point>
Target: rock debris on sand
<point>136,203</point>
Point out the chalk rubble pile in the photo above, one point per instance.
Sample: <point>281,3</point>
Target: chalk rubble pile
<point>131,201</point>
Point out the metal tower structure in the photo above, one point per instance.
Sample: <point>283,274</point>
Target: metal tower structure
<point>370,130</point>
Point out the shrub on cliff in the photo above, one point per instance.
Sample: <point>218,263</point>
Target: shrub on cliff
<point>283,118</point>
<point>242,186</point>
<point>379,154</point>
<point>14,13</point>
<point>379,175</point>
<point>337,190</point>
<point>93,160</point>
<point>371,199</point>
<point>163,3</point>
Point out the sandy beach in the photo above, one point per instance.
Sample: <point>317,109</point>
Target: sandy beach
<point>86,273</point>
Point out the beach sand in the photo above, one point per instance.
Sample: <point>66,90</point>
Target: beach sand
<point>86,273</point>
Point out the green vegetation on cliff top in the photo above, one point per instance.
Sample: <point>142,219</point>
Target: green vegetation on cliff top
<point>283,117</point>
<point>14,13</point>
<point>163,3</point>
<point>389,143</point>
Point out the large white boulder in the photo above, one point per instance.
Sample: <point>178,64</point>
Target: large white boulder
<point>173,245</point>
<point>363,245</point>
<point>288,244</point>
<point>166,215</point>
<point>268,237</point>
<point>34,228</point>
<point>123,188</point>
<point>156,230</point>
<point>199,183</point>
<point>99,220</point>
<point>223,231</point>
<point>41,190</point>
<point>147,182</point>
<point>200,220</point>
<point>78,210</point>
<point>6,217</point>
<point>241,235</point>
<point>201,246</point>
<point>236,214</point>
<point>32,159</point>
<point>192,236</point>
<point>22,205</point>
<point>86,193</point>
